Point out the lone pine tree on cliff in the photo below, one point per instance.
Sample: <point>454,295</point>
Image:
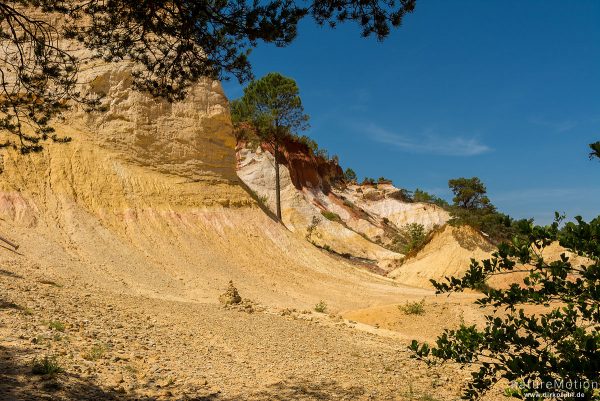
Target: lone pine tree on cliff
<point>172,43</point>
<point>273,107</point>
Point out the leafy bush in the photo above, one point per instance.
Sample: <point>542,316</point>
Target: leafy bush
<point>310,230</point>
<point>368,181</point>
<point>410,239</point>
<point>322,153</point>
<point>416,236</point>
<point>310,143</point>
<point>559,343</point>
<point>497,226</point>
<point>473,208</point>
<point>413,308</point>
<point>47,366</point>
<point>330,215</point>
<point>321,307</point>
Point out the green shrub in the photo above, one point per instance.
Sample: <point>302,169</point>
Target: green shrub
<point>322,153</point>
<point>321,307</point>
<point>413,308</point>
<point>310,143</point>
<point>95,353</point>
<point>312,227</point>
<point>403,195</point>
<point>46,366</point>
<point>349,204</point>
<point>262,199</point>
<point>415,232</point>
<point>472,207</point>
<point>368,181</point>
<point>56,325</point>
<point>330,215</point>
<point>350,175</point>
<point>411,239</point>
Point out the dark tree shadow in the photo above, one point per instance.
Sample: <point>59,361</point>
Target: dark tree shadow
<point>13,250</point>
<point>18,383</point>
<point>305,391</point>
<point>9,274</point>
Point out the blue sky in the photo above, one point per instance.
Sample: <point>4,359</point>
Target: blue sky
<point>508,91</point>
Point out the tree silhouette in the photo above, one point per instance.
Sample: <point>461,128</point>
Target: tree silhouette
<point>172,43</point>
<point>555,349</point>
<point>595,147</point>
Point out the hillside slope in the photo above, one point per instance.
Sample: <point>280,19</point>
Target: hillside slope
<point>448,254</point>
<point>145,200</point>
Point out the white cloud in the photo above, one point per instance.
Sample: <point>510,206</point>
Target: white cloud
<point>557,125</point>
<point>429,143</point>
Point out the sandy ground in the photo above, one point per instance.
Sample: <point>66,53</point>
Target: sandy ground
<point>131,232</point>
<point>133,347</point>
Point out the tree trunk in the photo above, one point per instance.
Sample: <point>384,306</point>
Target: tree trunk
<point>277,184</point>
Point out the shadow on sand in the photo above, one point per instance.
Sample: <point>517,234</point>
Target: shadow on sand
<point>17,383</point>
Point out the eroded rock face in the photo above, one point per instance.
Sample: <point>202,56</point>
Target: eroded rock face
<point>362,221</point>
<point>381,200</point>
<point>190,138</point>
<point>305,209</point>
<point>307,170</point>
<point>145,201</point>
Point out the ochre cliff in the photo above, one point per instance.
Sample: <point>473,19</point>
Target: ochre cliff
<point>146,200</point>
<point>317,204</point>
<point>306,169</point>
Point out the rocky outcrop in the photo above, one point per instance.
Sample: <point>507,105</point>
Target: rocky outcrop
<point>359,221</point>
<point>306,169</point>
<point>190,138</point>
<point>145,200</point>
<point>384,201</point>
<point>304,209</point>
